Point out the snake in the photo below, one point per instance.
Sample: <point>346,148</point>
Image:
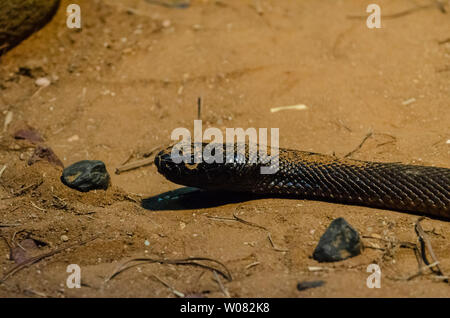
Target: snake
<point>306,175</point>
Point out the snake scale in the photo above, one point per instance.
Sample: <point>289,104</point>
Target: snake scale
<point>307,175</point>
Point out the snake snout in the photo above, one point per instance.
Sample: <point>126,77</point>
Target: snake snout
<point>164,162</point>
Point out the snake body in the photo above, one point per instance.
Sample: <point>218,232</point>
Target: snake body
<point>307,175</point>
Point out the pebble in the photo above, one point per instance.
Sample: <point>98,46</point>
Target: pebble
<point>73,138</point>
<point>409,101</point>
<point>64,238</point>
<point>309,284</point>
<point>42,152</point>
<point>42,82</point>
<point>340,241</point>
<point>86,175</point>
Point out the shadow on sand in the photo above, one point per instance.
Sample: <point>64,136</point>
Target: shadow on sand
<point>192,198</point>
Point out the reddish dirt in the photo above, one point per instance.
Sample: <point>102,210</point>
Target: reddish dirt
<point>134,73</point>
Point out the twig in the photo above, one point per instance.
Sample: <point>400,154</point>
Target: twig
<point>419,273</point>
<point>422,270</point>
<point>135,165</point>
<point>9,225</point>
<point>185,261</point>
<point>173,290</point>
<point>33,204</point>
<point>220,218</point>
<point>425,243</point>
<point>3,170</point>
<point>249,223</point>
<point>128,158</point>
<point>33,260</point>
<point>273,245</point>
<point>141,163</point>
<point>370,134</point>
<point>219,282</point>
<point>33,185</point>
<point>252,264</point>
<point>238,219</point>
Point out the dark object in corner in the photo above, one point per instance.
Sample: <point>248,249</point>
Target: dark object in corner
<point>21,18</point>
<point>340,241</point>
<point>86,175</point>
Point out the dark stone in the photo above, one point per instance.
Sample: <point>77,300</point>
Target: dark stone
<point>21,18</point>
<point>86,175</point>
<point>340,241</point>
<point>312,284</point>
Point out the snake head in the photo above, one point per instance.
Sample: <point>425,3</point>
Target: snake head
<point>206,166</point>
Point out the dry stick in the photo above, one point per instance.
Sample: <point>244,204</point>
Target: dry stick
<point>128,158</point>
<point>425,242</point>
<point>9,225</point>
<point>370,134</point>
<point>422,270</point>
<point>185,261</point>
<point>269,236</point>
<point>140,163</point>
<point>173,290</point>
<point>20,191</point>
<point>222,288</point>
<point>33,204</point>
<point>400,244</point>
<point>238,219</point>
<point>273,245</point>
<point>249,223</point>
<point>252,264</point>
<point>33,260</point>
<point>419,273</point>
<point>3,170</point>
<point>135,165</point>
<point>220,218</point>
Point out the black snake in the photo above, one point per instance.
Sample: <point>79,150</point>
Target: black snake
<point>307,175</point>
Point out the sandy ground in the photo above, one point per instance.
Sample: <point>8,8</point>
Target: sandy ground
<point>134,73</point>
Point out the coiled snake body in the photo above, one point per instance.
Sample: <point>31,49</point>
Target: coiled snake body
<point>306,175</point>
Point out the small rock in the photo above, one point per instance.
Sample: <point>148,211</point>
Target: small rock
<point>21,253</point>
<point>312,284</point>
<point>409,101</point>
<point>42,152</point>
<point>28,134</point>
<point>86,175</point>
<point>340,241</point>
<point>42,82</point>
<point>64,238</point>
<point>166,23</point>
